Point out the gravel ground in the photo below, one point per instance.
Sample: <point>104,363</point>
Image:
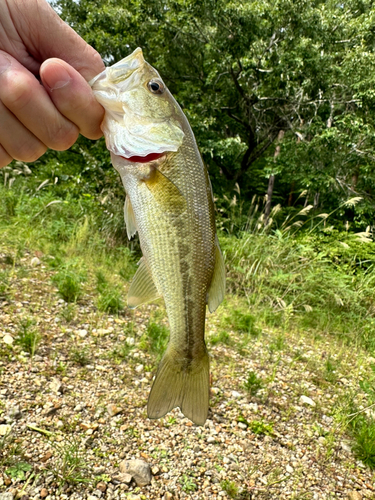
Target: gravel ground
<point>77,410</point>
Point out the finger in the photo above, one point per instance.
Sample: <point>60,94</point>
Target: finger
<point>5,159</point>
<point>18,142</point>
<point>72,96</point>
<point>48,36</point>
<point>27,99</point>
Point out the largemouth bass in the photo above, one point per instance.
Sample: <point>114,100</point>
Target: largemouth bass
<point>169,202</point>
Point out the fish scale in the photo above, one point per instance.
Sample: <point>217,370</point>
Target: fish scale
<point>170,205</point>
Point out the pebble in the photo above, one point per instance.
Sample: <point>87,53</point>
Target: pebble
<point>56,385</point>
<point>123,477</point>
<point>354,495</point>
<point>306,400</point>
<point>8,339</point>
<point>35,262</point>
<point>138,469</point>
<point>43,493</point>
<point>6,496</point>
<point>5,429</point>
<point>102,486</point>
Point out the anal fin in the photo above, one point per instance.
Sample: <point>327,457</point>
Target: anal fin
<point>142,288</point>
<point>216,290</point>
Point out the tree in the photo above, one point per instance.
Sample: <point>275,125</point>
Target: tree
<point>244,71</point>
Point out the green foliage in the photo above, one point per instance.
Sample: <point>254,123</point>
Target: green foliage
<point>260,427</point>
<point>155,338</point>
<point>27,336</point>
<point>363,432</point>
<point>70,463</point>
<point>242,74</point>
<point>243,322</point>
<point>18,470</point>
<point>80,356</point>
<point>188,483</point>
<point>69,282</point>
<point>220,338</point>
<point>110,300</point>
<point>4,284</point>
<point>230,488</point>
<point>253,383</point>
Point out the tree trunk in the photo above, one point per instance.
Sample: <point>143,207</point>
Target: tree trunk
<point>271,182</point>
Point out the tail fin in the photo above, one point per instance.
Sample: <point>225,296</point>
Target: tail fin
<point>181,382</point>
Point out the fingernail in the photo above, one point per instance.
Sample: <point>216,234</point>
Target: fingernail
<point>56,77</point>
<point>5,62</point>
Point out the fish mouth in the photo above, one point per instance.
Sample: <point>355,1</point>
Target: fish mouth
<point>144,159</point>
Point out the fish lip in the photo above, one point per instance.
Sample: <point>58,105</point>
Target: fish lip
<point>144,159</point>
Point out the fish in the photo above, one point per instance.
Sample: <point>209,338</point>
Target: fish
<point>169,202</point>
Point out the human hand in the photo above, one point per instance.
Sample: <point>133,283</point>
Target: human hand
<point>35,42</point>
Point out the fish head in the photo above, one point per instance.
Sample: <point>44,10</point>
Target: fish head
<point>142,117</point>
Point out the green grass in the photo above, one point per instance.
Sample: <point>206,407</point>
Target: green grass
<point>27,336</point>
<point>253,383</point>
<point>155,339</point>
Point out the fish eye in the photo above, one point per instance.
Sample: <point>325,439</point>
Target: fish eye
<point>156,86</point>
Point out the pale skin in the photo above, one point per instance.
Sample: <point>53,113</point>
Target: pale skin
<point>45,100</point>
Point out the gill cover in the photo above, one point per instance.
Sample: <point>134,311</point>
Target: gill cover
<point>137,121</point>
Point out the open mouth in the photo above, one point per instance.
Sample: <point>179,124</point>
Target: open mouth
<point>144,159</point>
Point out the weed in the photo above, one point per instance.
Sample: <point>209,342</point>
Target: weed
<point>110,300</point>
<point>243,322</point>
<point>230,488</point>
<point>278,343</point>
<point>61,368</point>
<point>27,336</point>
<point>68,312</point>
<point>253,383</point>
<point>4,284</point>
<point>363,432</point>
<point>260,427</point>
<point>155,338</point>
<point>18,470</point>
<point>69,283</point>
<point>70,464</point>
<point>188,483</point>
<point>220,338</point>
<point>80,356</point>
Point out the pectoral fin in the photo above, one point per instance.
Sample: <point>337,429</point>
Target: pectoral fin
<point>131,228</point>
<point>143,288</point>
<point>217,287</point>
<point>166,194</point>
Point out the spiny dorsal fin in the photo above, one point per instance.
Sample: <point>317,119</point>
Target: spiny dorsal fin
<point>143,288</point>
<point>131,228</point>
<point>216,291</point>
<point>166,194</point>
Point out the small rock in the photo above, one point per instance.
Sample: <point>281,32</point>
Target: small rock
<point>82,333</point>
<point>98,470</point>
<point>155,470</point>
<point>123,478</point>
<point>5,429</point>
<point>139,369</point>
<point>43,493</point>
<point>46,457</point>
<point>130,340</point>
<point>236,395</point>
<point>6,496</point>
<point>306,400</point>
<point>138,469</point>
<point>97,493</point>
<point>113,410</point>
<point>14,413</point>
<point>56,386</point>
<point>354,495</point>
<point>102,486</point>
<point>168,496</point>
<point>35,262</point>
<point>8,339</point>
<point>196,448</point>
<point>242,425</point>
<point>289,469</point>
